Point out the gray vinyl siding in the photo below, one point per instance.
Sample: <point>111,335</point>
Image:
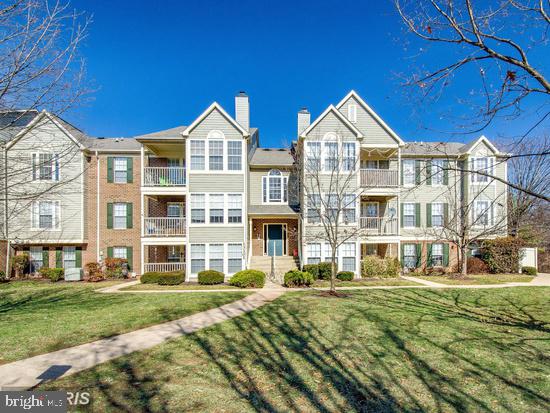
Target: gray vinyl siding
<point>373,132</point>
<point>215,121</point>
<point>210,234</point>
<point>330,123</point>
<point>69,191</point>
<point>216,182</point>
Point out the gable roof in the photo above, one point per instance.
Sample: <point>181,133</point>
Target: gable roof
<point>171,133</point>
<point>14,121</point>
<point>210,109</point>
<point>467,149</point>
<point>445,148</point>
<point>371,112</point>
<point>271,157</point>
<point>336,112</point>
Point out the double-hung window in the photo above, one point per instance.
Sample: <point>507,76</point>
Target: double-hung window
<point>409,255</point>
<point>347,254</point>
<point>234,155</point>
<point>45,167</point>
<point>174,210</point>
<point>45,215</point>
<point>120,170</point>
<point>313,156</point>
<point>120,252</point>
<point>484,165</point>
<point>215,155</point>
<point>331,157</point>
<point>437,214</point>
<point>119,215</point>
<point>275,187</point>
<point>198,208</point>
<point>437,255</point>
<point>332,207</point>
<point>174,253</point>
<point>234,258</point>
<point>409,214</point>
<point>197,155</point>
<point>36,258</point>
<point>216,208</point>
<point>198,258</point>
<point>348,207</point>
<point>409,178</point>
<point>482,213</point>
<point>234,208</point>
<point>313,208</point>
<point>313,253</point>
<point>348,149</point>
<point>216,257</point>
<point>437,172</point>
<point>69,257</point>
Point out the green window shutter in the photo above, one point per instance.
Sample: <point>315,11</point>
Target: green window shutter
<point>445,214</point>
<point>429,215</point>
<point>402,214</point>
<point>429,258</point>
<point>46,257</point>
<point>129,257</point>
<point>129,213</point>
<point>445,172</point>
<point>129,170</point>
<point>417,215</point>
<point>417,169</point>
<point>110,169</point>
<point>428,172</point>
<point>78,256</point>
<point>109,252</point>
<point>58,258</point>
<point>402,254</point>
<point>445,255</point>
<point>418,255</point>
<point>402,172</point>
<point>109,215</point>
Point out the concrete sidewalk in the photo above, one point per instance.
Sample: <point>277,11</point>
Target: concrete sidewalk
<point>27,373</point>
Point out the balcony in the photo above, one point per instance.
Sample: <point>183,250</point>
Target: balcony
<point>164,176</point>
<point>379,178</point>
<point>164,227</point>
<point>163,266</point>
<point>379,225</point>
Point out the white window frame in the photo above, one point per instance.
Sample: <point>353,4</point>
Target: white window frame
<point>228,161</point>
<point>117,160</point>
<point>36,165</point>
<point>348,250</point>
<point>352,113</point>
<point>439,255</point>
<point>235,203</point>
<point>233,156</point>
<point>203,254</point>
<point>69,252</point>
<point>234,256</point>
<point>476,213</point>
<point>349,204</point>
<point>314,158</point>
<point>349,163</point>
<point>36,251</point>
<point>120,252</point>
<point>216,254</point>
<point>199,155</point>
<point>327,154</point>
<point>179,205</point>
<point>115,216</point>
<point>274,175</point>
<point>477,179</point>
<point>312,199</point>
<point>207,206</point>
<point>407,255</point>
<point>219,206</point>
<point>56,215</point>
<point>406,175</point>
<point>437,205</point>
<point>437,173</point>
<point>405,214</point>
<point>198,202</point>
<point>314,253</point>
<point>214,152</point>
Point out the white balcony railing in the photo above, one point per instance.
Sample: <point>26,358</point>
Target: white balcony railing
<point>379,177</point>
<point>164,227</point>
<point>164,266</point>
<point>164,176</point>
<point>379,225</point>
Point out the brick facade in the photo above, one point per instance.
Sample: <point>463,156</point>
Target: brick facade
<point>257,241</point>
<point>453,255</point>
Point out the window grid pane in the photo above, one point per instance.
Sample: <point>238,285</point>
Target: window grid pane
<point>215,155</point>
<point>198,208</point>
<point>408,172</point>
<point>234,155</point>
<point>216,209</point>
<point>197,155</point>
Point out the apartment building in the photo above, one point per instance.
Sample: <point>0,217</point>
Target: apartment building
<point>207,195</point>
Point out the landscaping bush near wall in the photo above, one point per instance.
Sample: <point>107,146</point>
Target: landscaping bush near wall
<point>248,279</point>
<point>53,274</point>
<point>502,255</point>
<point>476,265</point>
<point>374,266</point>
<point>529,270</point>
<point>163,278</point>
<point>297,278</point>
<point>345,275</point>
<point>210,277</point>
<point>113,267</point>
<point>321,271</point>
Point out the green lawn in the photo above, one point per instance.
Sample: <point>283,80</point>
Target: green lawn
<point>400,350</point>
<point>184,286</point>
<point>366,282</point>
<point>38,317</point>
<point>480,279</point>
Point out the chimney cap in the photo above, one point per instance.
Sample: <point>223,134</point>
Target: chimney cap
<point>242,93</point>
<point>303,110</point>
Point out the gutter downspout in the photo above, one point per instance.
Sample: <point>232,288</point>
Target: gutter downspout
<point>97,206</point>
<point>6,211</point>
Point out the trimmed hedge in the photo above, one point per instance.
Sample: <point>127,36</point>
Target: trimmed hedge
<point>296,278</point>
<point>248,279</point>
<point>374,266</point>
<point>502,255</point>
<point>210,277</point>
<point>529,270</point>
<point>475,265</point>
<point>53,274</point>
<point>321,271</point>
<point>345,275</point>
<point>163,278</point>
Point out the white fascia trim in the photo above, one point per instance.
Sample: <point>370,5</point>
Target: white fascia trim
<point>372,113</point>
<point>332,109</point>
<point>483,139</point>
<point>207,112</point>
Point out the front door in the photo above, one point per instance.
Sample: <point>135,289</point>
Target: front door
<point>275,240</point>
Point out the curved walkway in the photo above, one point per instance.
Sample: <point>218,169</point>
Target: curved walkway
<point>27,373</point>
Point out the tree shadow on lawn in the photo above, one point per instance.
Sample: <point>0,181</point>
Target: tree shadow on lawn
<point>376,351</point>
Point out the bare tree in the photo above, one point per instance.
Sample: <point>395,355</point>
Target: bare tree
<point>492,45</point>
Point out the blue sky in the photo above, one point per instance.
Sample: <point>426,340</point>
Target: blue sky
<point>160,64</point>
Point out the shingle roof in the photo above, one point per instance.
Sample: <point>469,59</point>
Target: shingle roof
<point>272,210</point>
<point>113,144</point>
<point>14,121</point>
<point>272,157</point>
<point>433,148</point>
<point>166,133</point>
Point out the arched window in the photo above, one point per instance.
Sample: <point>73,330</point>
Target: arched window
<point>275,187</point>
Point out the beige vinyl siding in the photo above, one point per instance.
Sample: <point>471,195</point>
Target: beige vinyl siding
<point>372,130</point>
<point>210,234</point>
<point>216,182</point>
<point>330,123</point>
<point>46,137</point>
<point>255,185</point>
<point>215,121</point>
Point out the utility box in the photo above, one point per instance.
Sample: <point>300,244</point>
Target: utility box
<point>73,274</point>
